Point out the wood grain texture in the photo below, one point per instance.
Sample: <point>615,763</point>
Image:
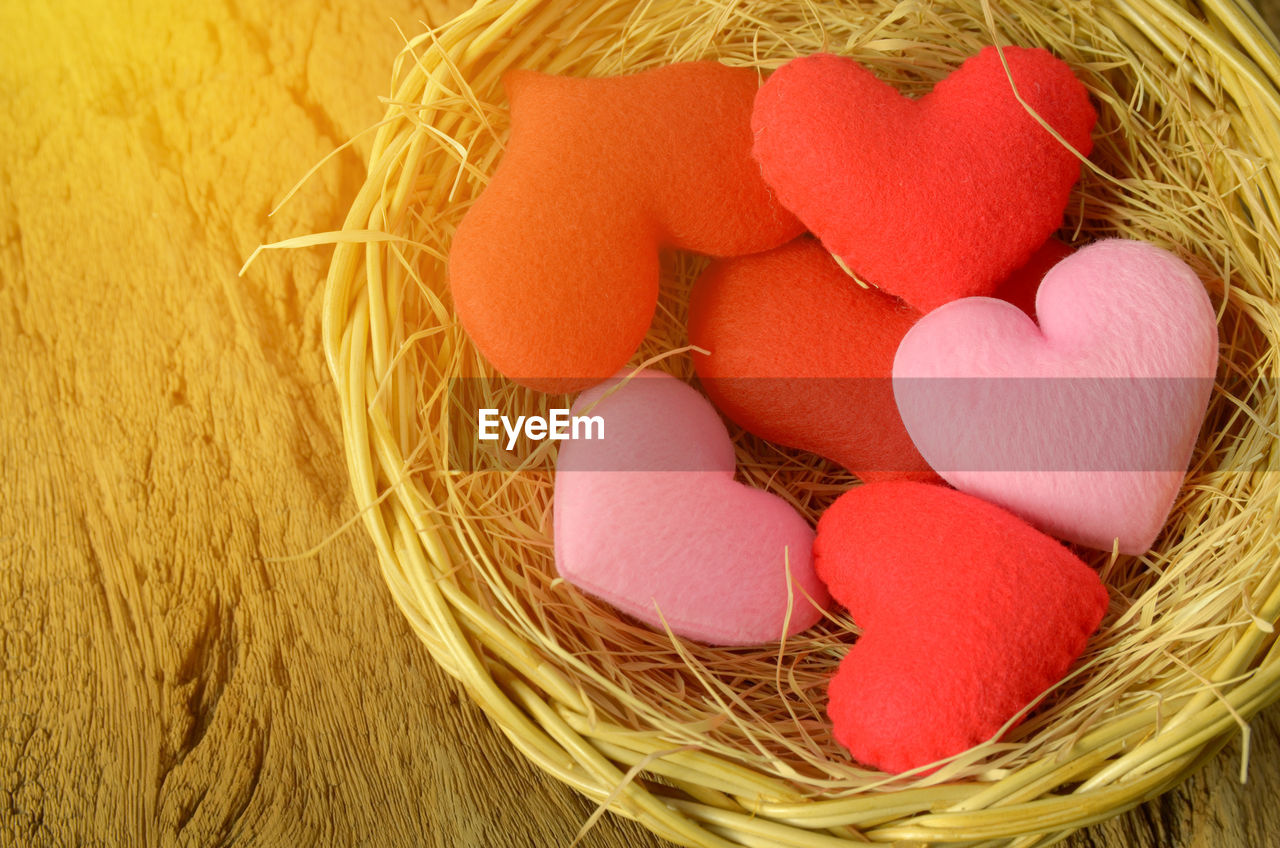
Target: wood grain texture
<point>169,434</point>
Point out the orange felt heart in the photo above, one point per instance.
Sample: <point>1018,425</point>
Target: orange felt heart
<point>933,199</point>
<point>968,613</point>
<point>554,270</point>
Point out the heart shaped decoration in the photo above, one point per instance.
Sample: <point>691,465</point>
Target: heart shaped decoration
<point>969,614</point>
<point>1023,284</point>
<point>933,199</point>
<point>1083,425</point>
<point>803,356</point>
<point>650,520</point>
<point>554,269</point>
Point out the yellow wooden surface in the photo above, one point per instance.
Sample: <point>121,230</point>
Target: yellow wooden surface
<point>168,434</point>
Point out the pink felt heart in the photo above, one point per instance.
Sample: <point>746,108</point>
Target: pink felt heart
<point>801,355</point>
<point>650,519</point>
<point>932,199</point>
<point>1083,425</point>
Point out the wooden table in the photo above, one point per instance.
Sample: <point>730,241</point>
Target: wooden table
<point>196,649</point>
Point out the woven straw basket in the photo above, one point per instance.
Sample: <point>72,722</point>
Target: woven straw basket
<point>720,747</point>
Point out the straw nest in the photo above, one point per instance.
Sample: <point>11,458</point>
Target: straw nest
<point>718,747</point>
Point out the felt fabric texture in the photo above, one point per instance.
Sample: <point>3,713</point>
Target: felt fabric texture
<point>800,354</point>
<point>1083,425</point>
<point>1021,286</point>
<point>554,269</point>
<point>933,199</point>
<point>650,520</point>
<point>969,614</point>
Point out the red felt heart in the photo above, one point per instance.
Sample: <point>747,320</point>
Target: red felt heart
<point>933,199</point>
<point>801,355</point>
<point>968,613</point>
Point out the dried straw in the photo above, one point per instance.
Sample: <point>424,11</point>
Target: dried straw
<point>717,747</point>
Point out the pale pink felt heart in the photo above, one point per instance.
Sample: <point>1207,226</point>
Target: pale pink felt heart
<point>1083,425</point>
<point>651,520</point>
